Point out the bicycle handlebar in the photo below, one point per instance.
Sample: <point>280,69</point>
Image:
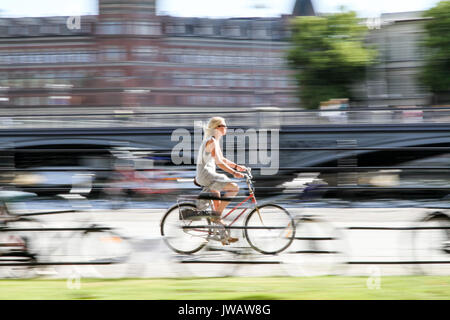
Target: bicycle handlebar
<point>248,175</point>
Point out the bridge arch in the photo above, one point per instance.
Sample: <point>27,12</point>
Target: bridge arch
<point>389,157</point>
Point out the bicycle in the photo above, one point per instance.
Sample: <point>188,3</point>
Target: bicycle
<point>27,244</point>
<point>268,228</point>
<point>319,248</point>
<point>431,243</point>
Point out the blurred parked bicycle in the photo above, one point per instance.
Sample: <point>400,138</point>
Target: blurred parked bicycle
<point>26,244</point>
<point>431,243</point>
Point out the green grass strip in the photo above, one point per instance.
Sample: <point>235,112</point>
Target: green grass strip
<point>233,288</point>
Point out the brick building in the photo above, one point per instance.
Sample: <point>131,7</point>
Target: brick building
<point>127,56</point>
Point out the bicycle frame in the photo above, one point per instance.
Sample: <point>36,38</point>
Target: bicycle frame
<point>216,229</point>
<point>251,196</point>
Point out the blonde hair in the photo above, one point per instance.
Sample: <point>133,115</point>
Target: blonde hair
<point>213,123</point>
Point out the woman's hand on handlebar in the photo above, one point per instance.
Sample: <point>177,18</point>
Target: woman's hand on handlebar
<point>241,168</point>
<point>238,175</point>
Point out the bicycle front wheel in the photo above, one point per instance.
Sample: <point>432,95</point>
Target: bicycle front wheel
<point>269,229</point>
<point>180,234</point>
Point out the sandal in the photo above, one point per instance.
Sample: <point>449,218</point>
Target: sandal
<point>229,240</point>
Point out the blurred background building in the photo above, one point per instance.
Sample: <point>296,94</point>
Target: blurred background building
<point>128,56</point>
<point>393,81</point>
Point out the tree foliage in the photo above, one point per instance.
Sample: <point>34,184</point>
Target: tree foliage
<point>437,43</point>
<point>329,55</point>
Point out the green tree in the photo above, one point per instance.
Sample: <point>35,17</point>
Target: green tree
<point>329,55</point>
<point>437,44</point>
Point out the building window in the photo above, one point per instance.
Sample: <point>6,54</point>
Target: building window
<point>145,52</point>
<point>259,33</point>
<point>189,29</point>
<point>144,29</point>
<point>49,29</point>
<point>114,53</point>
<point>110,28</point>
<point>232,31</point>
<point>18,31</point>
<point>217,30</point>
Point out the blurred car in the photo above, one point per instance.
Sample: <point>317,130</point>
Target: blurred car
<point>55,180</point>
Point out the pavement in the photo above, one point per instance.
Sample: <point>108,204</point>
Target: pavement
<point>348,250</point>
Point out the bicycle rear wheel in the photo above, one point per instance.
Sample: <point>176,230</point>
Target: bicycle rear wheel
<point>269,229</point>
<point>180,234</point>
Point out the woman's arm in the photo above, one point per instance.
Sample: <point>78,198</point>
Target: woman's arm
<point>233,165</point>
<point>229,163</point>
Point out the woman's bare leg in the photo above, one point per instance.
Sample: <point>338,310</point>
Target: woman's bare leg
<point>215,202</point>
<point>231,189</point>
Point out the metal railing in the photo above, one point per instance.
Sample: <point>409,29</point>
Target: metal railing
<point>250,117</point>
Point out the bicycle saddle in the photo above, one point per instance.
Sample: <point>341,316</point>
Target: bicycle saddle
<point>197,184</point>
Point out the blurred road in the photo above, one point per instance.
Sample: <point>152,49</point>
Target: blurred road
<point>151,257</point>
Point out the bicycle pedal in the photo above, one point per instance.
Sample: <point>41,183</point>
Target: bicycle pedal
<point>216,238</point>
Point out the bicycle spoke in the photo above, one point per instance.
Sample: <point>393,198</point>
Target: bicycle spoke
<point>183,235</point>
<point>269,229</point>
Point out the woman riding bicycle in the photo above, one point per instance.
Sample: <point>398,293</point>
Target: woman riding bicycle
<point>211,155</point>
<point>267,228</point>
